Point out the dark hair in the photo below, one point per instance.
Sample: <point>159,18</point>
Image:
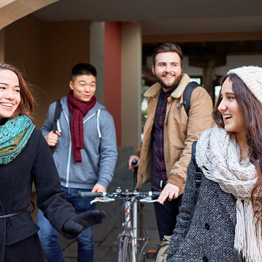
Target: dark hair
<point>167,47</point>
<point>82,69</point>
<point>252,110</point>
<point>26,105</point>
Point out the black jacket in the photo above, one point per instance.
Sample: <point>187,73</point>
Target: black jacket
<point>34,164</point>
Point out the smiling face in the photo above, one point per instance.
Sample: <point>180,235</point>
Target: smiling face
<point>232,114</point>
<point>9,93</point>
<point>167,69</point>
<point>83,87</point>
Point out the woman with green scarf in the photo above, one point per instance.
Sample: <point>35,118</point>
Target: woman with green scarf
<point>25,157</point>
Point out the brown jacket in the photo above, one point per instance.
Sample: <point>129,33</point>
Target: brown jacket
<point>179,131</point>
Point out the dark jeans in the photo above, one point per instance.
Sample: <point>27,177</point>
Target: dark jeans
<point>166,216</point>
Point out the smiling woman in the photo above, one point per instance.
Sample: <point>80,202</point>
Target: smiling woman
<point>9,93</point>
<point>233,116</point>
<point>25,157</point>
<point>230,196</point>
<point>12,89</point>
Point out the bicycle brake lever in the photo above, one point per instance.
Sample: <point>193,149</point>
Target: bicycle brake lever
<point>148,200</point>
<point>104,200</point>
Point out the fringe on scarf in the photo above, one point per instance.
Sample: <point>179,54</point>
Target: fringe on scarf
<point>248,232</point>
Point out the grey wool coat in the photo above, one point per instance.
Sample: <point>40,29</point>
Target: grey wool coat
<point>207,232</point>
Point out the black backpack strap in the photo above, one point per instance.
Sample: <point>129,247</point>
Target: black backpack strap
<point>58,110</point>
<point>198,172</point>
<point>187,95</point>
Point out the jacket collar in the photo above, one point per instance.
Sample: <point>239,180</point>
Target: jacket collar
<point>154,89</point>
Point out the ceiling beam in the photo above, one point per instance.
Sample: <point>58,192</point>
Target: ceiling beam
<point>212,37</point>
<point>12,10</point>
<point>6,2</point>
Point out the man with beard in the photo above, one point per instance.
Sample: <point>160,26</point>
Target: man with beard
<point>169,132</point>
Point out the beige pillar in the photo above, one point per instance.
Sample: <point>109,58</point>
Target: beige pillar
<point>97,56</point>
<point>131,84</point>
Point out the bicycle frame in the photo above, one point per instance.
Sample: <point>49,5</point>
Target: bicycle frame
<point>130,225</point>
<point>135,226</point>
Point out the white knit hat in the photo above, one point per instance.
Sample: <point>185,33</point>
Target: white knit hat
<point>252,77</point>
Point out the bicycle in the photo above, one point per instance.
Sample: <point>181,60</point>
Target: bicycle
<point>131,248</point>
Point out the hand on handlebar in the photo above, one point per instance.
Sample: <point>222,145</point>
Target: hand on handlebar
<point>170,191</point>
<point>131,163</point>
<point>98,188</point>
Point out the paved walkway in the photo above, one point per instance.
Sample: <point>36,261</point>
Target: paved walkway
<point>106,234</point>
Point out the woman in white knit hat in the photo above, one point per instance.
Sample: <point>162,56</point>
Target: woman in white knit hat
<point>225,223</point>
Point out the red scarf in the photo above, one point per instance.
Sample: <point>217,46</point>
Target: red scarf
<point>78,109</point>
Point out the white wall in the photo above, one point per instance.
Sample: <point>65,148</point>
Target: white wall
<point>237,61</point>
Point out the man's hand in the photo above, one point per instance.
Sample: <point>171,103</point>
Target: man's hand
<point>170,191</point>
<point>131,158</point>
<point>52,138</point>
<point>98,188</point>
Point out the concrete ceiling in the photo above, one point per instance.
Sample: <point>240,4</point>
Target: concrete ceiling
<point>163,16</point>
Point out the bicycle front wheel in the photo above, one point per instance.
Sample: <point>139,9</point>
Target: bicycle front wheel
<point>125,250</point>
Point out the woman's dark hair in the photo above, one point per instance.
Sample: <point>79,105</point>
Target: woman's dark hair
<point>252,110</point>
<point>26,106</point>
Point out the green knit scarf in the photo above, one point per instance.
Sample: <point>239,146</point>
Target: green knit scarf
<point>14,135</point>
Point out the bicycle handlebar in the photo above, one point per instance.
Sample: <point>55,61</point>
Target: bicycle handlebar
<point>153,194</point>
<point>149,196</point>
<point>90,194</point>
<point>134,162</point>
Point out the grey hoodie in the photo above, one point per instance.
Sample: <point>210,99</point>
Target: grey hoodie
<point>100,151</point>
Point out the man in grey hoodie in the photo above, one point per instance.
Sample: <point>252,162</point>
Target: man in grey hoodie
<point>85,154</point>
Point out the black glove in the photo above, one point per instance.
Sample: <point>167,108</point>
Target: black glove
<point>82,221</point>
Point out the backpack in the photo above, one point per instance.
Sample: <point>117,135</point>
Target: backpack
<point>163,246</point>
<point>187,95</point>
<point>58,110</point>
<point>198,172</point>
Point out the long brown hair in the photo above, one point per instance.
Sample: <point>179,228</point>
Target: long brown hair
<point>252,110</point>
<point>26,106</point>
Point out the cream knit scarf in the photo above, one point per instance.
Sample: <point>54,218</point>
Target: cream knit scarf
<point>218,155</point>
